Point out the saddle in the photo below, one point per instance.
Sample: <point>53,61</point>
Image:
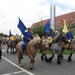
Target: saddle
<point>69,42</point>
<point>50,41</point>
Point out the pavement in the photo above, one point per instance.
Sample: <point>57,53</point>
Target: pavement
<point>9,65</point>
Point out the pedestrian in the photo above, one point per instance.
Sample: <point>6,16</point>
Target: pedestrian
<point>0,49</point>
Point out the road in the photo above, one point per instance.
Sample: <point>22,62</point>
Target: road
<point>9,65</point>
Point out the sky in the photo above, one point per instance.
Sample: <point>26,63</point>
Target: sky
<point>29,11</point>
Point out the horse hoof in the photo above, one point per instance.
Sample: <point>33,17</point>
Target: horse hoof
<point>50,60</point>
<point>69,60</point>
<point>31,68</point>
<point>7,51</point>
<point>13,53</point>
<point>59,63</point>
<point>42,58</point>
<point>21,65</point>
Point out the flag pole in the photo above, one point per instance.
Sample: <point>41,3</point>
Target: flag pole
<point>52,17</point>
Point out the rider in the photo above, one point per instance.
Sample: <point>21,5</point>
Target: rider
<point>27,37</point>
<point>69,36</point>
<point>52,35</point>
<point>11,38</point>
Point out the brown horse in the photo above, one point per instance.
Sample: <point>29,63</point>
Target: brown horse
<point>31,50</point>
<point>12,45</point>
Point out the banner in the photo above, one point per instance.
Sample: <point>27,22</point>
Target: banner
<point>65,29</point>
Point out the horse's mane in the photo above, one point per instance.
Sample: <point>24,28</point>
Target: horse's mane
<point>35,40</point>
<point>57,39</point>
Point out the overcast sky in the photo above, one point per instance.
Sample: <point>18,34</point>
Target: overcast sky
<point>29,11</point>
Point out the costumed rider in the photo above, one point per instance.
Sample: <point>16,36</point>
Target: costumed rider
<point>69,36</point>
<point>27,37</point>
<point>11,38</point>
<point>52,35</point>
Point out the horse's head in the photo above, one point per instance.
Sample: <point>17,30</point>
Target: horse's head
<point>62,38</point>
<point>46,42</point>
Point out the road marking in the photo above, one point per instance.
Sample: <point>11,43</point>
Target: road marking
<point>18,66</point>
<point>3,50</point>
<point>13,73</point>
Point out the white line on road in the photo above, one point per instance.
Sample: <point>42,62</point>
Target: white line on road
<point>18,66</point>
<point>3,50</point>
<point>13,73</point>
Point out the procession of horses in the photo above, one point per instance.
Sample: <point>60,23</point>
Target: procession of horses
<point>56,45</point>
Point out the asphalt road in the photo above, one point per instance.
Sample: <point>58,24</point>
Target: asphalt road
<point>9,65</point>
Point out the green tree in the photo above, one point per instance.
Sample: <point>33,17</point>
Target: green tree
<point>39,29</point>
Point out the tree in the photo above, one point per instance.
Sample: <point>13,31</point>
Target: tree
<point>39,29</point>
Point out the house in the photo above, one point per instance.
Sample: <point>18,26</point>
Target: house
<point>69,17</point>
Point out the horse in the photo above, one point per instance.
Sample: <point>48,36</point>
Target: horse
<point>71,48</point>
<point>57,45</point>
<point>31,50</point>
<point>12,45</point>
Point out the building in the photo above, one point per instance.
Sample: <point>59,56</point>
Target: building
<point>69,17</point>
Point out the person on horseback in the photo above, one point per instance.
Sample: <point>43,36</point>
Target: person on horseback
<point>52,33</point>
<point>69,36</point>
<point>27,37</point>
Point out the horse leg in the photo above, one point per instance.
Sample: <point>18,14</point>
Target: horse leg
<point>69,58</point>
<point>61,56</point>
<point>50,59</point>
<point>46,59</point>
<point>42,58</point>
<point>13,51</point>
<point>19,59</point>
<point>7,49</point>
<point>58,59</point>
<point>31,62</point>
<point>16,51</point>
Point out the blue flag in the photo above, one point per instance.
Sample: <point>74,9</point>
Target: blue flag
<point>47,28</point>
<point>21,26</point>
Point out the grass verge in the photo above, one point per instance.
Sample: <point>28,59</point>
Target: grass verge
<point>49,52</point>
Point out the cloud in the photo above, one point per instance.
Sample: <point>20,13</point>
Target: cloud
<point>29,11</point>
